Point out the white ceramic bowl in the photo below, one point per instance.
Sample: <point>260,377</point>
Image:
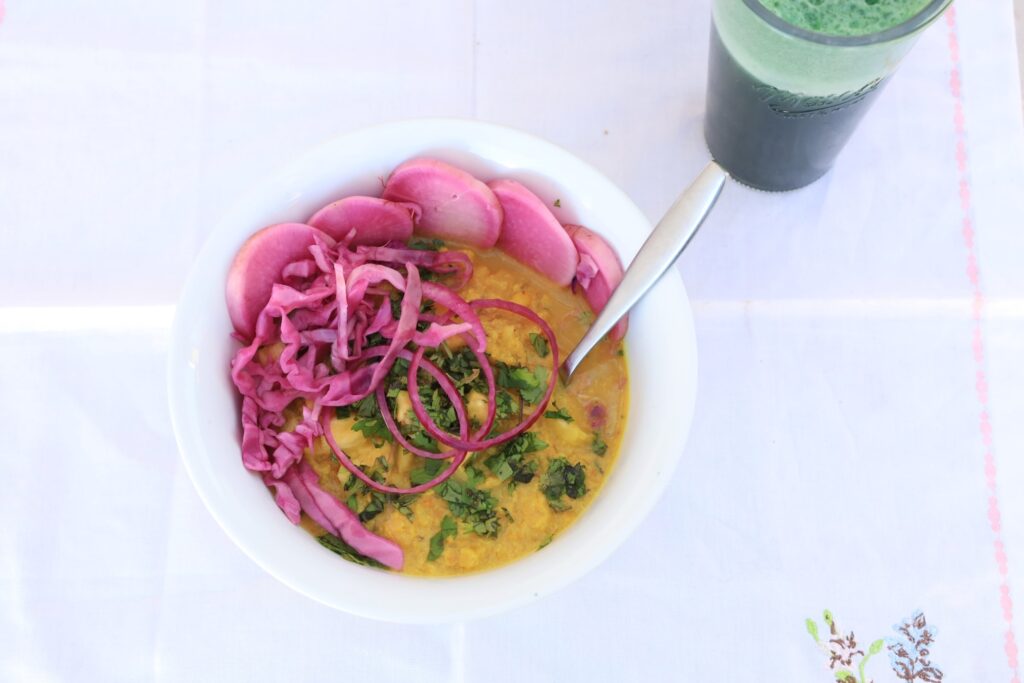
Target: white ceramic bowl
<point>661,349</point>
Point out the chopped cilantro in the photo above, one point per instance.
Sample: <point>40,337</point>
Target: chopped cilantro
<point>378,501</point>
<point>461,365</point>
<point>403,504</point>
<point>558,414</point>
<point>509,461</point>
<point>563,479</point>
<point>367,407</point>
<point>419,438</point>
<point>540,344</point>
<point>474,477</point>
<point>374,429</point>
<point>506,404</point>
<point>440,409</point>
<point>398,378</point>
<point>336,545</point>
<point>448,529</point>
<point>533,394</point>
<point>546,542</point>
<point>531,384</point>
<point>598,445</point>
<point>471,505</point>
<point>424,244</point>
<point>429,470</point>
<point>558,505</point>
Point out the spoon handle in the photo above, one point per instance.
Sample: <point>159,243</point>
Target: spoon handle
<point>673,232</point>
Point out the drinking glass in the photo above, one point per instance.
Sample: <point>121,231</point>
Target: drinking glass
<point>783,100</point>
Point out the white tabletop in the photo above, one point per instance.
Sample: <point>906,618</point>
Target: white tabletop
<point>858,437</point>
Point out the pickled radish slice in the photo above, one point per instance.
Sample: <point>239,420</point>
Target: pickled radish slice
<point>455,205</point>
<point>532,235</point>
<point>376,221</point>
<point>258,265</point>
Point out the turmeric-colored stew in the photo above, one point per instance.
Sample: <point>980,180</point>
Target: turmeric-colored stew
<point>399,393</point>
<point>510,500</point>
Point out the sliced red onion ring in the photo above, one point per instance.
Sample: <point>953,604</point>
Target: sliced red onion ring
<point>437,374</point>
<point>457,305</point>
<point>478,445</point>
<point>459,456</point>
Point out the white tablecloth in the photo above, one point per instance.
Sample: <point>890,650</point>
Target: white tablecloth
<point>859,435</point>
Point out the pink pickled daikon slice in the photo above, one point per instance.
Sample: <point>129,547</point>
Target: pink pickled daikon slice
<point>376,221</point>
<point>532,235</point>
<point>258,265</point>
<point>455,205</point>
<point>599,272</point>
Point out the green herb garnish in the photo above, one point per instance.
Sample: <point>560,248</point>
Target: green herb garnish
<point>558,203</point>
<point>426,472</point>
<point>448,529</point>
<point>378,501</point>
<point>530,384</point>
<point>506,404</point>
<point>598,445</point>
<point>403,504</point>
<point>336,545</point>
<point>419,438</point>
<point>557,414</point>
<point>374,429</point>
<point>563,479</point>
<point>474,477</point>
<point>540,344</point>
<point>461,365</point>
<point>367,407</point>
<point>509,461</point>
<point>424,244</point>
<point>471,505</point>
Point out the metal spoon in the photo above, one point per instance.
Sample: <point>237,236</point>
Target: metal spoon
<point>673,232</point>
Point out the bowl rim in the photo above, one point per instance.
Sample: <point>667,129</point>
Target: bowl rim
<point>549,576</point>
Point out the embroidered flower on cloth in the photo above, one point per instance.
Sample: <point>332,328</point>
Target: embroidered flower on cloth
<point>910,652</point>
<point>844,655</point>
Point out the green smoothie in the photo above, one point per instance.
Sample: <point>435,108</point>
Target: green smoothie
<point>845,17</point>
<point>784,95</point>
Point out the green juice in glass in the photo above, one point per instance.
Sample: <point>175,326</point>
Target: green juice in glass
<point>789,80</point>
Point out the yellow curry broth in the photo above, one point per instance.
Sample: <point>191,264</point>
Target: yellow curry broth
<point>527,520</point>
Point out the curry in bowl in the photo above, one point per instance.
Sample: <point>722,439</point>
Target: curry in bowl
<point>399,371</point>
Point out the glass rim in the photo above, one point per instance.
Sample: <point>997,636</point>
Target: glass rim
<point>925,16</point>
